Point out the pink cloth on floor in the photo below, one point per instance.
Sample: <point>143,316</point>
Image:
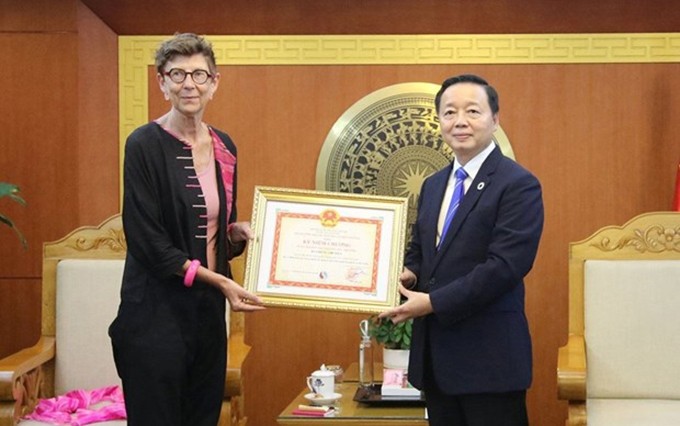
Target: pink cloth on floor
<point>73,407</point>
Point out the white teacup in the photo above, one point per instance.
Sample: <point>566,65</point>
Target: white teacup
<point>322,382</point>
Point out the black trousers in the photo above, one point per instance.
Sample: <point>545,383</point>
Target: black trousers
<point>493,409</point>
<point>484,409</point>
<point>173,374</point>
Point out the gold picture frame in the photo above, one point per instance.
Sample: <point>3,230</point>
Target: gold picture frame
<point>326,250</point>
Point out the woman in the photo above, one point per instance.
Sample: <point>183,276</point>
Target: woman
<point>179,217</point>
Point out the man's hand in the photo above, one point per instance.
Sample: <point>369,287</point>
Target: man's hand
<point>417,305</point>
<point>408,279</point>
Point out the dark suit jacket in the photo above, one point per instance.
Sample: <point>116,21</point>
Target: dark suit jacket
<point>478,335</point>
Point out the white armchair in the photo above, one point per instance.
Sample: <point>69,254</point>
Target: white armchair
<point>81,282</point>
<point>620,365</point>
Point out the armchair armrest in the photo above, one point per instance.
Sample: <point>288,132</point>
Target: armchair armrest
<point>21,379</point>
<point>232,413</point>
<point>237,353</point>
<point>571,369</point>
<point>571,378</point>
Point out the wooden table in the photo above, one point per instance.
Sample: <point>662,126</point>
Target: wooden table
<point>352,412</point>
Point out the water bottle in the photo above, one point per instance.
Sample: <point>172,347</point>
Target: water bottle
<point>365,356</point>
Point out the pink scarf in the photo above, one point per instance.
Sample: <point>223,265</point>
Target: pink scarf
<point>227,167</point>
<point>73,408</point>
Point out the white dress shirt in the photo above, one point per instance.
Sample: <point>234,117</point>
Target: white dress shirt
<point>472,168</point>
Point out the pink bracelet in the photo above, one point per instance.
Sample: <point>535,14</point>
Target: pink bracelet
<point>190,274</point>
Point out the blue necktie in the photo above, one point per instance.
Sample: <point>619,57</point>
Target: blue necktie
<point>456,198</point>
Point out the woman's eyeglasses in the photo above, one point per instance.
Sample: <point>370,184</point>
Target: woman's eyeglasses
<point>178,75</point>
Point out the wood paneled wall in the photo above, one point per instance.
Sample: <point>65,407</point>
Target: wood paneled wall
<point>141,17</point>
<point>59,142</point>
<point>600,137</point>
<point>39,50</point>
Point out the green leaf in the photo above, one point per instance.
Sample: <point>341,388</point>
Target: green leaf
<point>12,191</point>
<point>390,335</point>
<point>7,221</point>
<point>408,326</point>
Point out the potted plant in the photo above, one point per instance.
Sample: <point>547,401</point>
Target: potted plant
<point>395,339</point>
<point>12,191</point>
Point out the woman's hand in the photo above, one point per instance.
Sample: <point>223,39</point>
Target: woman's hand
<point>240,231</point>
<point>239,298</point>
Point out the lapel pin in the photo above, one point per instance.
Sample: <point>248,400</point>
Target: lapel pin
<point>480,186</point>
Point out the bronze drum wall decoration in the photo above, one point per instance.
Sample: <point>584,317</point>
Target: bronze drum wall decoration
<point>387,143</point>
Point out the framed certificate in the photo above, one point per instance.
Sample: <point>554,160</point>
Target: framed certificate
<point>326,250</point>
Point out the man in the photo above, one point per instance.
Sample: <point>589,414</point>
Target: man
<point>471,348</point>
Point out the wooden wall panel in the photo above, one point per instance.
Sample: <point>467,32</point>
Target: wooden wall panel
<point>140,17</point>
<point>59,144</point>
<point>39,16</point>
<point>19,313</point>
<point>599,137</point>
<point>97,119</point>
<point>38,115</point>
<point>39,143</point>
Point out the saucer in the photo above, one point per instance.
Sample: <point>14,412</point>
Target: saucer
<point>321,400</point>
